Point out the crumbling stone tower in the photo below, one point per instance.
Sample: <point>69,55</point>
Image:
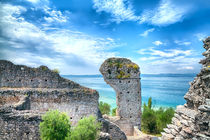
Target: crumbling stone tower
<point>124,76</point>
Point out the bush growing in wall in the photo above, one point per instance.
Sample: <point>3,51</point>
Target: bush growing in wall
<point>56,71</point>
<point>104,108</point>
<point>153,121</point>
<point>87,129</point>
<point>55,126</point>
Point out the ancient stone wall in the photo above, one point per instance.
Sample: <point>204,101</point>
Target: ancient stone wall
<point>22,76</point>
<point>123,76</point>
<point>27,93</point>
<point>192,121</point>
<point>76,104</point>
<point>19,125</point>
<point>47,90</point>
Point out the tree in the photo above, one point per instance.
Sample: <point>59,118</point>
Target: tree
<point>150,103</point>
<point>114,111</point>
<point>87,129</point>
<point>153,121</point>
<point>104,108</point>
<point>149,120</point>
<point>55,126</point>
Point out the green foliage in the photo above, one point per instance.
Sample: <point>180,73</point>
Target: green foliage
<point>150,103</point>
<point>55,126</point>
<point>86,129</point>
<point>104,108</point>
<point>114,111</point>
<point>44,68</point>
<point>56,71</point>
<point>153,121</point>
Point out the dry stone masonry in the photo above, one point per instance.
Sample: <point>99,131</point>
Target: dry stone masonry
<point>192,121</point>
<point>124,76</point>
<point>27,93</point>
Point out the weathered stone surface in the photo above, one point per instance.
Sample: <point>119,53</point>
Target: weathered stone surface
<point>124,76</point>
<point>19,125</point>
<point>112,129</point>
<point>22,76</point>
<point>77,103</point>
<point>26,93</point>
<point>192,120</point>
<point>104,136</point>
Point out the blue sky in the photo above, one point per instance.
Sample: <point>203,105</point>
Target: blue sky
<point>76,36</point>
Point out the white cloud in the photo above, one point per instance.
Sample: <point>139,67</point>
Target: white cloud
<point>166,13</point>
<point>70,51</point>
<point>168,61</point>
<point>145,33</point>
<point>33,1</point>
<point>186,68</point>
<point>165,53</point>
<point>121,10</point>
<point>200,36</point>
<point>54,15</point>
<point>182,43</point>
<point>157,43</point>
<point>149,58</point>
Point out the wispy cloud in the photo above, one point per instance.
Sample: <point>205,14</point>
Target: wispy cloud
<point>31,44</point>
<point>145,33</point>
<point>55,16</point>
<point>168,60</point>
<point>157,43</point>
<point>185,43</point>
<point>165,53</point>
<point>166,13</point>
<point>120,10</point>
<point>200,36</point>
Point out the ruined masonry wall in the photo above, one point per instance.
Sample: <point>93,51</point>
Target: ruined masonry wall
<point>19,125</point>
<point>27,93</point>
<point>128,99</point>
<point>22,76</point>
<point>124,77</point>
<point>75,104</point>
<point>192,121</point>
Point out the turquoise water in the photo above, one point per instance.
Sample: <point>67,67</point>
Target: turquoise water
<point>166,90</point>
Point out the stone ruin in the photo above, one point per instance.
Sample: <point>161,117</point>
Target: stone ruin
<point>192,121</point>
<point>124,77</point>
<point>27,93</point>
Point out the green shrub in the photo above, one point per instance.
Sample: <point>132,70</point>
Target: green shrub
<point>86,129</point>
<point>104,108</point>
<point>114,111</point>
<point>55,126</point>
<point>153,121</point>
<point>56,71</point>
<point>149,120</point>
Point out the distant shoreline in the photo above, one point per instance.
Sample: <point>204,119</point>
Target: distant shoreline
<point>162,74</point>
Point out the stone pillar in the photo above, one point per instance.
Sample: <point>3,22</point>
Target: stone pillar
<point>124,77</point>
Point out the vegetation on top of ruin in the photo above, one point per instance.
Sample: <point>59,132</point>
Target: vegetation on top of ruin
<point>154,120</point>
<point>122,67</point>
<point>56,71</point>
